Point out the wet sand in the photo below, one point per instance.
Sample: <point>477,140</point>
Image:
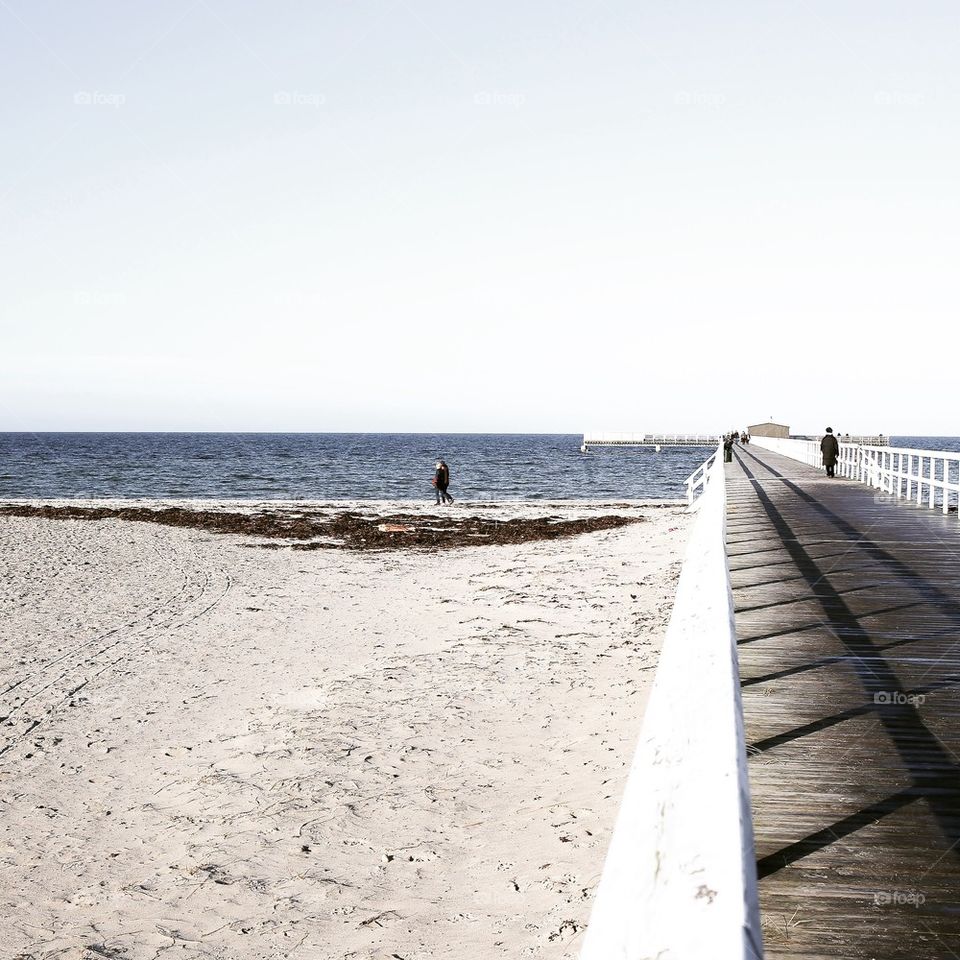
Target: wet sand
<point>210,750</point>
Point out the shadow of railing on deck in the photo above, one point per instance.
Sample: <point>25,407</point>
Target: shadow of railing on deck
<point>933,772</point>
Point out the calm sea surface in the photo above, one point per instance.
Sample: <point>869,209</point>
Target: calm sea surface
<point>340,466</point>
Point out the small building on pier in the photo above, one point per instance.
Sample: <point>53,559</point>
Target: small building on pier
<point>769,429</point>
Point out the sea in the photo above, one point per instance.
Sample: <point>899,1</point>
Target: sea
<point>345,466</point>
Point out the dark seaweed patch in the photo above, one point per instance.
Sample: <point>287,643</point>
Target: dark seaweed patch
<point>347,531</point>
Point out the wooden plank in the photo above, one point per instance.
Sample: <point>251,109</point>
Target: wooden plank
<point>848,626</point>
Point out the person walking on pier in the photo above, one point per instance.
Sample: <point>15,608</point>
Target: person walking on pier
<point>441,480</point>
<point>830,450</point>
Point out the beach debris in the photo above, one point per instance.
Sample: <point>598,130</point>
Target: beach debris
<point>380,918</point>
<point>567,929</point>
<point>102,950</point>
<point>348,530</point>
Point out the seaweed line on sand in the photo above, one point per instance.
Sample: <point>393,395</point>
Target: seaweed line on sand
<point>344,531</point>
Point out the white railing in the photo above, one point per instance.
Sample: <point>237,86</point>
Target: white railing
<point>680,874</point>
<point>699,478</point>
<point>872,440</point>
<point>926,477</point>
<point>806,451</point>
<point>649,439</point>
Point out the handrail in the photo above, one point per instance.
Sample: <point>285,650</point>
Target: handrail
<point>898,471</point>
<point>864,439</point>
<point>699,478</point>
<point>680,874</point>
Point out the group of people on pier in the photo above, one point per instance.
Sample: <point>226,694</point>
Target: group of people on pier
<point>829,448</point>
<point>729,439</point>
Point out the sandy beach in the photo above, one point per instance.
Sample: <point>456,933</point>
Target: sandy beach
<point>214,749</point>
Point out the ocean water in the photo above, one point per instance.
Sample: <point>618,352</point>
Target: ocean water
<point>333,466</point>
<point>947,444</point>
<point>336,466</point>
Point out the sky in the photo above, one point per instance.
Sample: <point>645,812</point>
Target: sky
<point>415,215</point>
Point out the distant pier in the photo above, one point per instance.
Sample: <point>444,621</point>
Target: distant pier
<point>654,440</point>
<point>658,440</point>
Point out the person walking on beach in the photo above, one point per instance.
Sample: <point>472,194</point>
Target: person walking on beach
<point>830,450</point>
<point>441,480</point>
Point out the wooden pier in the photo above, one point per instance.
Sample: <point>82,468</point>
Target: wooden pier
<point>848,630</point>
<point>653,440</point>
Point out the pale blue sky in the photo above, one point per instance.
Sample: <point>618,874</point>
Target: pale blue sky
<point>365,215</point>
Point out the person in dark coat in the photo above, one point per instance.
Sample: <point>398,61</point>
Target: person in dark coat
<point>441,480</point>
<point>728,448</point>
<point>830,450</point>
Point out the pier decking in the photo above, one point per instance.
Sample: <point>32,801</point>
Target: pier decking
<point>848,630</point>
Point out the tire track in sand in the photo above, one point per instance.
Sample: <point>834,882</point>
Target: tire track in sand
<point>47,689</point>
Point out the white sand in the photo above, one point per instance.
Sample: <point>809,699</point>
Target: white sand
<point>219,751</point>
